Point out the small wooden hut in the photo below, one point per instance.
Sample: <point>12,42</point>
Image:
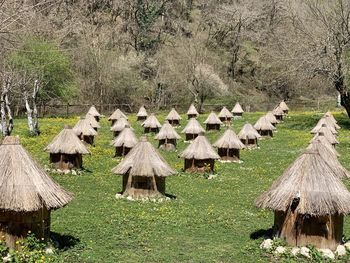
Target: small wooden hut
<point>249,136</point>
<point>84,131</point>
<point>225,115</point>
<point>116,115</point>
<point>173,117</point>
<point>28,195</point>
<point>125,141</point>
<point>192,129</point>
<point>92,120</point>
<point>212,122</point>
<point>271,118</point>
<point>199,156</point>
<point>309,201</point>
<point>142,114</point>
<point>93,112</point>
<point>119,125</point>
<point>264,127</point>
<point>278,113</point>
<point>325,122</point>
<point>144,171</point>
<point>284,107</point>
<point>325,131</point>
<point>167,137</point>
<point>151,124</point>
<point>237,111</point>
<point>229,146</point>
<point>331,118</point>
<point>192,112</point>
<point>66,150</point>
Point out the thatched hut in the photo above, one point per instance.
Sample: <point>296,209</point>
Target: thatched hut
<point>119,125</point>
<point>278,113</point>
<point>322,139</point>
<point>330,116</point>
<point>192,112</point>
<point>325,131</point>
<point>284,107</point>
<point>325,122</point>
<point>192,129</point>
<point>199,156</point>
<point>28,195</point>
<point>271,118</point>
<point>229,146</point>
<point>144,171</point>
<point>249,136</point>
<point>125,141</point>
<point>92,120</point>
<point>212,122</point>
<point>237,111</point>
<point>264,127</point>
<point>116,115</point>
<point>309,201</point>
<point>151,124</point>
<point>167,137</point>
<point>84,131</point>
<point>173,117</point>
<point>66,150</point>
<point>142,114</point>
<point>93,112</point>
<point>225,115</point>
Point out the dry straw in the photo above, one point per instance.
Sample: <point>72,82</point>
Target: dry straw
<point>237,109</point>
<point>271,118</point>
<point>93,122</point>
<point>192,110</point>
<point>263,124</point>
<point>229,140</point>
<point>225,114</point>
<point>248,132</point>
<point>126,138</point>
<point>92,111</point>
<point>193,127</point>
<point>84,128</point>
<point>119,125</point>
<point>167,132</point>
<point>117,114</point>
<point>151,122</point>
<point>200,149</point>
<point>213,119</point>
<point>142,112</point>
<point>173,115</point>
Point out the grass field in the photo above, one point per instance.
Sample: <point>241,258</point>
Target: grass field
<point>209,221</point>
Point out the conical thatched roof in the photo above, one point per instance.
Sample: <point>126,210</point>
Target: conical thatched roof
<point>329,115</point>
<point>212,119</point>
<point>116,115</point>
<point>142,112</point>
<point>126,138</point>
<point>91,119</point>
<point>237,108</point>
<point>192,110</point>
<point>225,113</point>
<point>271,118</point>
<point>193,127</point>
<point>92,111</point>
<point>278,111</point>
<point>67,142</point>
<point>119,125</point>
<point>151,122</point>
<point>263,124</point>
<point>321,138</point>
<point>200,149</point>
<point>248,132</point>
<point>283,105</point>
<point>324,121</point>
<point>327,134</point>
<point>167,132</point>
<point>25,186</point>
<point>229,140</point>
<point>173,115</point>
<point>144,160</point>
<point>312,179</point>
<point>83,127</point>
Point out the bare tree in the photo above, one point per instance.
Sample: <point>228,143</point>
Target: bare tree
<point>6,126</point>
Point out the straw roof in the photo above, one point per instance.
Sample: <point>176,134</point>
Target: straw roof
<point>324,121</point>
<point>126,138</point>
<point>237,108</point>
<point>116,115</point>
<point>91,119</point>
<point>212,119</point>
<point>321,138</point>
<point>225,113</point>
<point>167,132</point>
<point>142,112</point>
<point>263,124</point>
<point>151,122</point>
<point>278,111</point>
<point>67,142</point>
<point>83,127</point>
<point>229,140</point>
<point>312,179</point>
<point>173,115</point>
<point>327,134</point>
<point>331,119</point>
<point>192,110</point>
<point>248,132</point>
<point>120,124</point>
<point>271,118</point>
<point>144,160</point>
<point>25,186</point>
<point>92,111</point>
<point>283,105</point>
<point>200,149</point>
<point>193,127</point>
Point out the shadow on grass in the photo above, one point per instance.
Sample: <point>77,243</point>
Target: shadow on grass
<point>266,233</point>
<point>170,196</point>
<point>64,242</point>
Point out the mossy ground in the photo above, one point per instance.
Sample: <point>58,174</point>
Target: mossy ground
<point>209,221</point>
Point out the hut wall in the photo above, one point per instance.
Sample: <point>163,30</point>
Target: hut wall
<point>210,127</point>
<point>14,226</point>
<point>189,116</point>
<point>228,154</point>
<point>88,139</point>
<point>301,230</point>
<point>201,166</point>
<point>279,117</point>
<point>148,130</point>
<point>266,133</point>
<point>237,115</point>
<point>141,118</point>
<point>122,151</point>
<point>168,145</point>
<point>140,186</point>
<point>97,118</point>
<point>225,119</point>
<point>116,133</point>
<point>191,136</point>
<point>286,112</point>
<point>66,161</point>
<point>174,122</point>
<point>113,122</point>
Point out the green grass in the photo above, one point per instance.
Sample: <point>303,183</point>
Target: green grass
<point>209,221</point>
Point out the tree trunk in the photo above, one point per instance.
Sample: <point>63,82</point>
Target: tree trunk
<point>5,109</point>
<point>29,114</point>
